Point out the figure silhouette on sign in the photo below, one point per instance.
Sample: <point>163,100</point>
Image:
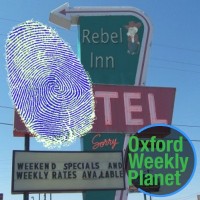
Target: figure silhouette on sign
<point>133,39</point>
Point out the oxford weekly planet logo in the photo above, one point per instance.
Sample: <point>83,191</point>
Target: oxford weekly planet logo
<point>161,160</point>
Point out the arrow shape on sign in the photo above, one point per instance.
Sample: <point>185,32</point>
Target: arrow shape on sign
<point>64,12</point>
<point>65,16</point>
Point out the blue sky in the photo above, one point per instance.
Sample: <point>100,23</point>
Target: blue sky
<point>173,62</point>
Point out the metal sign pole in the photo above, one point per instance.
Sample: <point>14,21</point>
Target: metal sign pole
<point>26,148</point>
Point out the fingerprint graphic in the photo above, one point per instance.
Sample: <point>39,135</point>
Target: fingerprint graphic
<point>49,86</point>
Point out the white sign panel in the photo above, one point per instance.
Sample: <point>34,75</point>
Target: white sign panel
<point>37,171</point>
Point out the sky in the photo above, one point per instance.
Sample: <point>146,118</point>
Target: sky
<point>173,62</point>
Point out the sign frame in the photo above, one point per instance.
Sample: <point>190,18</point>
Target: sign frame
<point>80,153</point>
<point>65,16</point>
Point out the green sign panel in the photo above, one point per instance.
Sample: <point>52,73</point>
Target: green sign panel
<point>110,48</point>
<point>102,142</point>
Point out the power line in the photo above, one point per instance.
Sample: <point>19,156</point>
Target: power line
<point>175,61</point>
<point>175,47</point>
<point>6,107</point>
<point>185,125</point>
<point>182,125</point>
<point>8,124</point>
<point>173,125</point>
<point>177,69</point>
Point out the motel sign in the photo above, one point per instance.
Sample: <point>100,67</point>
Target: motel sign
<point>114,45</point>
<point>126,109</point>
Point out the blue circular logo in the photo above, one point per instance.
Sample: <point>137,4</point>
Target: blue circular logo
<point>161,160</point>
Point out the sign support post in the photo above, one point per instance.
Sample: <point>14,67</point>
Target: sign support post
<point>26,148</point>
<point>114,45</point>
